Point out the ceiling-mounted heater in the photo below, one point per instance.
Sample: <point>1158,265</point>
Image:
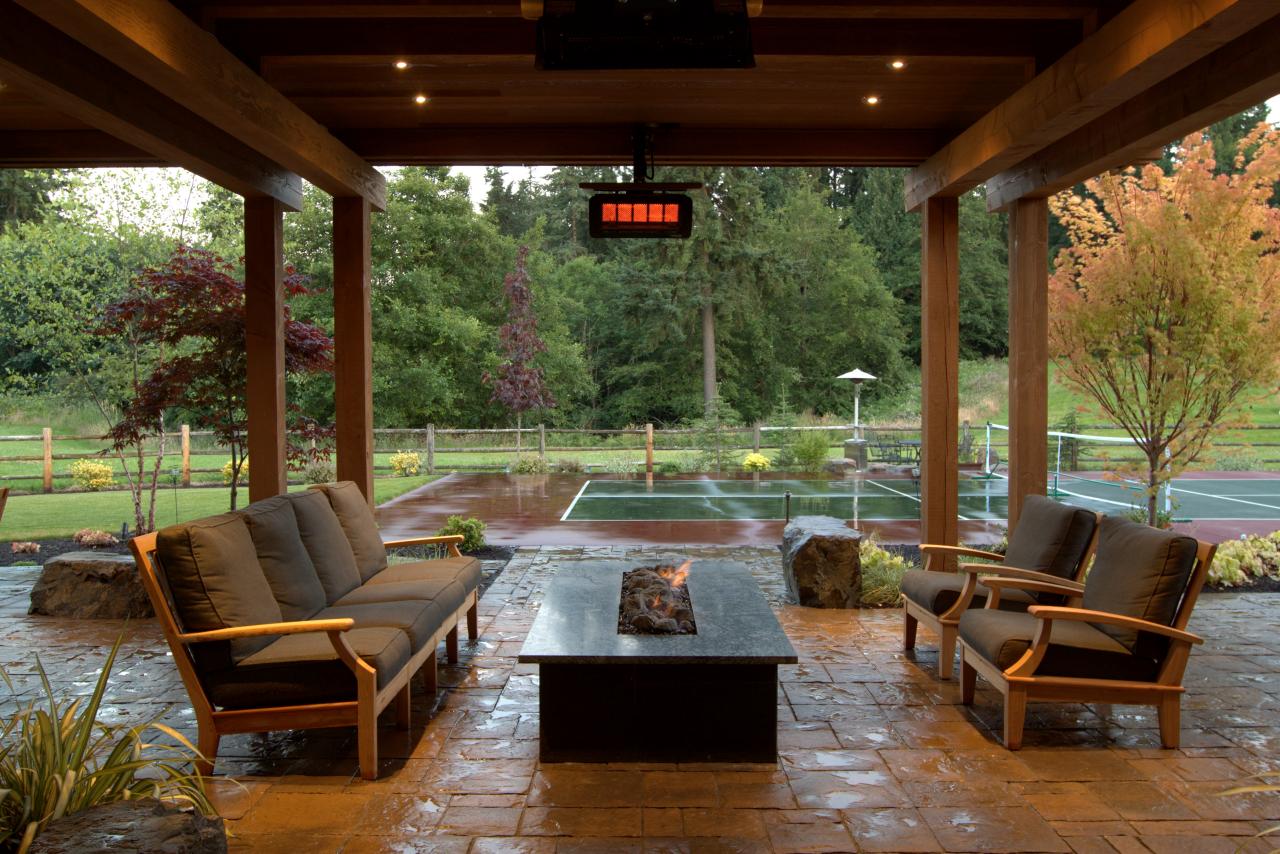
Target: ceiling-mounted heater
<point>641,208</point>
<point>613,34</point>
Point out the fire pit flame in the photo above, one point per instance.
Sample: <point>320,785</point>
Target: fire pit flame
<point>655,600</point>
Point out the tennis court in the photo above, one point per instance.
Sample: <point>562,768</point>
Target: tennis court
<point>886,500</point>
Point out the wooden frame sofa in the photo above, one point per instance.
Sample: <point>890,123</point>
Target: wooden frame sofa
<point>287,615</point>
<point>1121,639</point>
<point>1052,542</point>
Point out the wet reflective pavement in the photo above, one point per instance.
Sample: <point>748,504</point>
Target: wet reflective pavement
<point>876,754</point>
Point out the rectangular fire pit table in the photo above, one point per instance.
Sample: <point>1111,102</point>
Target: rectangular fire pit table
<point>706,697</point>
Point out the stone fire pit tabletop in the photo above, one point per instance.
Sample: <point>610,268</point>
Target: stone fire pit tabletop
<point>578,620</point>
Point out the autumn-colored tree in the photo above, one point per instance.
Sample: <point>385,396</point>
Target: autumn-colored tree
<point>194,308</point>
<point>1165,307</point>
<point>519,384</point>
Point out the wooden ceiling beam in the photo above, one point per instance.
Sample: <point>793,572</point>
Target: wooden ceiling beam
<point>154,41</point>
<point>1142,45</point>
<point>69,77</point>
<point>594,145</point>
<point>71,149</point>
<point>1234,77</point>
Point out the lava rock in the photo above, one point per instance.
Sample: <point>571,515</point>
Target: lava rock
<point>143,826</point>
<point>90,585</point>
<point>820,562</point>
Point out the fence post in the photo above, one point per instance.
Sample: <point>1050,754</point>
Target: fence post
<point>46,434</point>
<point>648,449</point>
<point>431,449</point>
<point>542,441</point>
<point>186,454</point>
<point>755,438</point>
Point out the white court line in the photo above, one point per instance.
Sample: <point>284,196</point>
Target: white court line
<point>565,517</point>
<point>1225,498</point>
<point>912,497</point>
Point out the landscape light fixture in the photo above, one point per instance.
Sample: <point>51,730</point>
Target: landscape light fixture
<point>640,208</point>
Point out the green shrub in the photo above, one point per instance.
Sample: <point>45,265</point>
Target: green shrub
<point>620,465</point>
<point>1241,562</point>
<point>472,531</point>
<point>568,466</point>
<point>57,758</point>
<point>92,475</point>
<point>405,463</point>
<point>530,465</point>
<point>1138,513</point>
<point>318,472</point>
<point>810,450</point>
<point>1238,459</point>
<point>881,574</point>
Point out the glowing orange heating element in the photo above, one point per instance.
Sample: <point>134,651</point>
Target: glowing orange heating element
<point>609,213</point>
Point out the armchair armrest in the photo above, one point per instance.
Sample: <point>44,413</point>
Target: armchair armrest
<point>450,540</point>
<point>1003,571</point>
<point>1026,580</point>
<point>927,548</point>
<point>997,585</point>
<point>337,624</point>
<point>1083,615</point>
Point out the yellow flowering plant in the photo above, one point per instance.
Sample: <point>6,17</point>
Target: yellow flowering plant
<point>755,462</point>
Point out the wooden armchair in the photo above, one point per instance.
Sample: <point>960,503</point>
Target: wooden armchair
<point>1126,643</point>
<point>1052,544</point>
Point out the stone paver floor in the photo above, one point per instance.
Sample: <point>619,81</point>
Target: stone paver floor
<point>876,754</point>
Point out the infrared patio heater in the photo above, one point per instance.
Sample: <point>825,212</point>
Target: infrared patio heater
<point>642,34</point>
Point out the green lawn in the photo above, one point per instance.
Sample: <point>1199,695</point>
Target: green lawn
<point>59,515</point>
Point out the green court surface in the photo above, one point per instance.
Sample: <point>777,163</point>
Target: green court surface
<point>888,500</point>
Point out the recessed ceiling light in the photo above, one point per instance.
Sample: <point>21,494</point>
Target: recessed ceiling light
<point>401,64</point>
<point>898,65</point>
<point>420,99</point>
<point>871,100</point>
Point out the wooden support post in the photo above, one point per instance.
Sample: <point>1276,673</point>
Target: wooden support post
<point>46,436</point>
<point>353,343</point>
<point>755,438</point>
<point>431,449</point>
<point>939,371</point>
<point>1028,351</point>
<point>542,441</point>
<point>648,449</point>
<point>264,345</point>
<point>186,454</point>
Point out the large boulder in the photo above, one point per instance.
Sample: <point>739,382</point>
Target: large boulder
<point>820,562</point>
<point>143,826</point>
<point>90,585</point>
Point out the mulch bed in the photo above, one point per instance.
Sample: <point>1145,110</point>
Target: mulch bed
<point>52,548</point>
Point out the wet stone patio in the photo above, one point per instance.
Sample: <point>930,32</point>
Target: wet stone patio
<point>876,755</point>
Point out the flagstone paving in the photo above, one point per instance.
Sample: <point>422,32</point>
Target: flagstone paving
<point>876,754</point>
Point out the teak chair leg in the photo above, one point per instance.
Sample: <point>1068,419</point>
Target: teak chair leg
<point>403,707</point>
<point>968,680</point>
<point>473,621</point>
<point>207,744</point>
<point>946,651</point>
<point>1015,716</point>
<point>1170,715</point>
<point>909,624</point>
<point>367,733</point>
<point>451,645</point>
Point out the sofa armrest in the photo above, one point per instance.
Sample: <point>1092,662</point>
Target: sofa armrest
<point>1083,615</point>
<point>337,624</point>
<point>451,540</point>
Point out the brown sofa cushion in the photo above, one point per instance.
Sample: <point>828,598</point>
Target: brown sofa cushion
<point>1139,572</point>
<point>298,669</point>
<point>1050,537</point>
<point>939,591</point>
<point>358,524</point>
<point>1075,649</point>
<point>327,545</point>
<point>464,570</point>
<point>213,573</point>
<point>400,591</point>
<point>284,558</point>
<point>418,618</point>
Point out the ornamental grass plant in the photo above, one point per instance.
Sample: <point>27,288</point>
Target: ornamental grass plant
<point>57,759</point>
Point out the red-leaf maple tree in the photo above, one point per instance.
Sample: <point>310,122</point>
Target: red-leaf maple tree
<point>519,384</point>
<point>1165,307</point>
<point>194,308</point>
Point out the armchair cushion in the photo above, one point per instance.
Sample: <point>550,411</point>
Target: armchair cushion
<point>1075,649</point>
<point>358,524</point>
<point>939,592</point>
<point>213,573</point>
<point>299,669</point>
<point>326,544</point>
<point>1139,572</point>
<point>284,559</point>
<point>1050,537</point>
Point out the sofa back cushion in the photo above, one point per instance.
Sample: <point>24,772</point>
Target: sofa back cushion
<point>1050,537</point>
<point>327,545</point>
<point>284,559</point>
<point>1142,572</point>
<point>359,525</point>
<point>216,582</point>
